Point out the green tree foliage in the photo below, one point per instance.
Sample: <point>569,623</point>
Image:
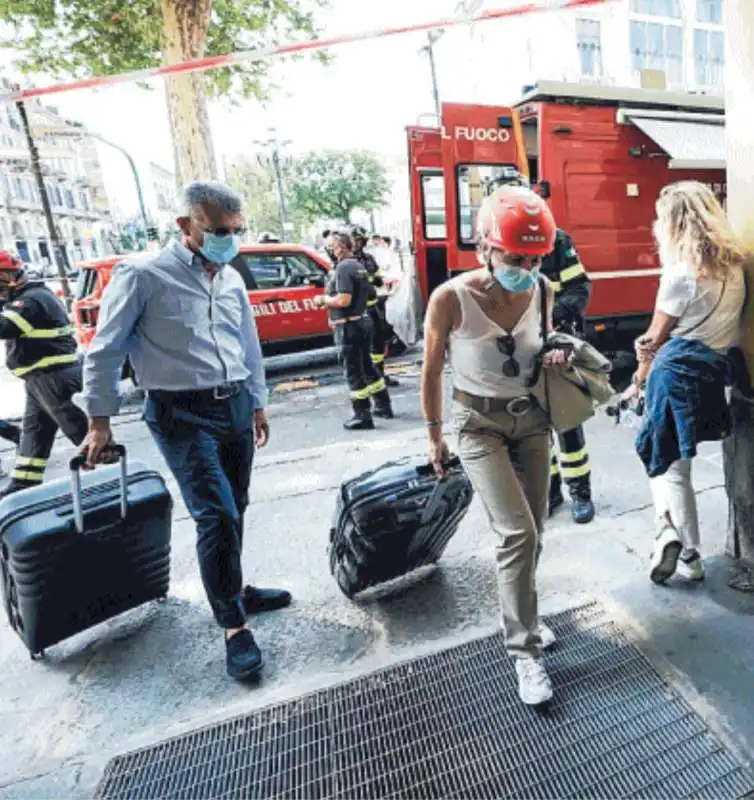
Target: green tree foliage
<point>331,185</point>
<point>256,185</point>
<point>80,38</point>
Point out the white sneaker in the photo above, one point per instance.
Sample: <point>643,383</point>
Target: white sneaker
<point>547,636</point>
<point>534,686</point>
<point>690,568</point>
<point>665,557</point>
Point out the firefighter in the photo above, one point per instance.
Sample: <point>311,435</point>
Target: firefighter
<point>41,350</point>
<point>348,290</point>
<point>572,292</point>
<point>376,303</point>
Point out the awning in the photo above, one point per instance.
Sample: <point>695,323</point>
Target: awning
<point>690,143</point>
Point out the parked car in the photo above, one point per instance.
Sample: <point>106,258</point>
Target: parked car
<point>282,281</point>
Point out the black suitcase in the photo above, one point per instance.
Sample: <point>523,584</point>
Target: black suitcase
<point>393,520</point>
<point>77,551</point>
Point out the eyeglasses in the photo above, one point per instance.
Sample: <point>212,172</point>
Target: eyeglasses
<point>507,346</point>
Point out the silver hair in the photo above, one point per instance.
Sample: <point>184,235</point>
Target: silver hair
<point>214,194</point>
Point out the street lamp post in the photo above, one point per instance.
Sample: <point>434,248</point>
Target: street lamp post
<point>59,254</point>
<point>77,130</point>
<point>134,172</point>
<point>429,49</point>
<point>273,161</point>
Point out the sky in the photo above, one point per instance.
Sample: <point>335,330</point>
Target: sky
<point>363,100</point>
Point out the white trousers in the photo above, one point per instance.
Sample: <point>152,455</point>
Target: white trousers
<point>674,496</point>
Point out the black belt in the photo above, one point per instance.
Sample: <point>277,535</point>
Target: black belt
<point>515,406</point>
<point>223,392</point>
<point>344,320</point>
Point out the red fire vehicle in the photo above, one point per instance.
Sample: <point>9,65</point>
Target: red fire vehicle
<point>282,281</point>
<point>600,155</point>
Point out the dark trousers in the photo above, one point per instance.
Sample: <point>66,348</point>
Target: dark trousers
<point>573,464</point>
<point>209,447</point>
<point>49,407</point>
<point>354,343</point>
<point>378,346</point>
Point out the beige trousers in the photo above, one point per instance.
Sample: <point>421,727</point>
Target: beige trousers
<point>507,460</point>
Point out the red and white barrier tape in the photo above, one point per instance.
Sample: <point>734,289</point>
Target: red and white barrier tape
<point>213,62</point>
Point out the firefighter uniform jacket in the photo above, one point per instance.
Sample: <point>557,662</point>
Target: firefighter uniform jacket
<point>37,331</point>
<point>374,275</point>
<point>572,285</point>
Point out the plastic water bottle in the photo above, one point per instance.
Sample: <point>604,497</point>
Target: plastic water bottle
<point>630,419</point>
<point>628,412</point>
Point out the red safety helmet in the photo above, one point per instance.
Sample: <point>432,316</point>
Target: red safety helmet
<point>9,262</point>
<point>517,220</point>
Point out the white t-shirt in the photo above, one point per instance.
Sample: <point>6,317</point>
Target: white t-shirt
<point>690,299</point>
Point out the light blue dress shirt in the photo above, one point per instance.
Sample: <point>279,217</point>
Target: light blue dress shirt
<point>180,329</point>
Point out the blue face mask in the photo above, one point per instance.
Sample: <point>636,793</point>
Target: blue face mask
<point>220,249</point>
<point>515,279</point>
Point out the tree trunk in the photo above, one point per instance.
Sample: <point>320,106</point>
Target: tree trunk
<point>185,24</point>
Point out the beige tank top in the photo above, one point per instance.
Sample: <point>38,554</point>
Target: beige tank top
<point>475,357</point>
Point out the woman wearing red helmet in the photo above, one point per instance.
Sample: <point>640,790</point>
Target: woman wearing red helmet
<point>488,320</point>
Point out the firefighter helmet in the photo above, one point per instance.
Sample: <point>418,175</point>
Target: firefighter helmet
<point>359,232</point>
<point>10,263</point>
<point>517,220</point>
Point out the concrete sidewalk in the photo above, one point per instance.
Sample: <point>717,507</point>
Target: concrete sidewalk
<point>160,669</point>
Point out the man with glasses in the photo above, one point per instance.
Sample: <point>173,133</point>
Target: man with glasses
<point>183,318</point>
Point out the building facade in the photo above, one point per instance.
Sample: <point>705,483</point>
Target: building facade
<point>73,182</point>
<point>674,44</point>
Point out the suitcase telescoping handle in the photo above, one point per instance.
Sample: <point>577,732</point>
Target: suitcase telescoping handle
<point>75,466</point>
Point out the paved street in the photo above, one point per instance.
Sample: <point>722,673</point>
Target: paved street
<point>160,669</point>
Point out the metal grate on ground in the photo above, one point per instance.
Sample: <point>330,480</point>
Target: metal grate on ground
<point>450,725</point>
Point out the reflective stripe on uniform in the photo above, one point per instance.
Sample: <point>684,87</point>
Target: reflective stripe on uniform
<point>377,386</point>
<point>575,465</point>
<point>360,394</point>
<point>554,469</point>
<point>48,361</point>
<point>569,473</point>
<point>556,287</point>
<point>572,458</point>
<point>377,358</point>
<point>25,461</point>
<point>570,273</point>
<point>22,475</point>
<point>371,303</point>
<point>30,332</point>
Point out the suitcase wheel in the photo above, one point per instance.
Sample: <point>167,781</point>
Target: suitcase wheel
<point>37,656</point>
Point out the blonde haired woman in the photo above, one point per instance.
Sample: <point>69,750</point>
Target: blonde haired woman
<point>683,361</point>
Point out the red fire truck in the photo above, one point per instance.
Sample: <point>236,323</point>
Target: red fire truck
<point>600,155</point>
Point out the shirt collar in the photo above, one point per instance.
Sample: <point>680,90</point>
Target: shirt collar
<point>191,259</point>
